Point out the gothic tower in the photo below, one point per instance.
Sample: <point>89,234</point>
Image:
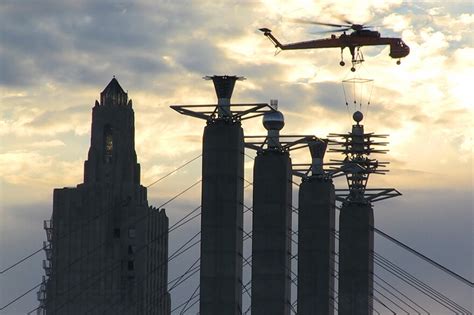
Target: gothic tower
<point>107,250</point>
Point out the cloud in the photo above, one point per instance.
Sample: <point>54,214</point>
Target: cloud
<point>56,57</point>
<point>30,171</point>
<point>47,144</point>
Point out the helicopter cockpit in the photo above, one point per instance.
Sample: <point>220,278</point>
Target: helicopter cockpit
<point>399,49</point>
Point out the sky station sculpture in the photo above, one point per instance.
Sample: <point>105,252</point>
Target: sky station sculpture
<point>271,230</point>
<point>316,240</point>
<point>222,197</point>
<point>272,224</point>
<point>356,220</point>
<point>222,215</point>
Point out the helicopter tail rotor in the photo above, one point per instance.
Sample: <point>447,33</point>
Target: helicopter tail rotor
<point>268,33</point>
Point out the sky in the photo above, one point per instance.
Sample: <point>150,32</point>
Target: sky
<point>57,56</point>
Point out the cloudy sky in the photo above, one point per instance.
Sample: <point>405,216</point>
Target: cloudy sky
<point>57,56</point>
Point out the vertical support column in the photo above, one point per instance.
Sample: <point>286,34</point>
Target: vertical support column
<point>271,240</point>
<point>316,224</point>
<point>222,219</point>
<point>356,264</point>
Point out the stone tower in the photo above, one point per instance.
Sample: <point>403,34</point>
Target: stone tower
<point>108,250</point>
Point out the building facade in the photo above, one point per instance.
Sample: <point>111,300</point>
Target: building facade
<point>107,250</point>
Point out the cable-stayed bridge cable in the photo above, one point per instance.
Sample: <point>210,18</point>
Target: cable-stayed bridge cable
<point>189,300</point>
<point>383,304</point>
<point>87,223</point>
<point>420,255</point>
<point>390,300</point>
<point>139,219</point>
<point>401,293</point>
<point>417,284</point>
<point>376,262</point>
<point>424,257</point>
<point>174,171</point>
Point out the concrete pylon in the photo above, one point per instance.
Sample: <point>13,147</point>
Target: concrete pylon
<point>316,224</point>
<point>316,247</point>
<point>222,209</point>
<point>271,238</point>
<point>222,196</point>
<point>356,263</point>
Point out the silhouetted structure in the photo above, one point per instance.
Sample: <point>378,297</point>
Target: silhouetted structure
<point>108,249</point>
<point>271,231</point>
<point>356,221</point>
<point>222,198</point>
<point>316,226</point>
<point>222,212</point>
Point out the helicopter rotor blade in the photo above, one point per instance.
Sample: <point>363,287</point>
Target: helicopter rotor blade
<point>331,31</point>
<point>344,19</point>
<point>347,21</point>
<point>317,23</point>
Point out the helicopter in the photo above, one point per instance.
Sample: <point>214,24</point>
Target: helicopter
<point>360,36</point>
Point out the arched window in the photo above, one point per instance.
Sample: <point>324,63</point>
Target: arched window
<point>108,144</point>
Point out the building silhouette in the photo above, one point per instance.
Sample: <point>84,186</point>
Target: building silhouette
<point>108,250</point>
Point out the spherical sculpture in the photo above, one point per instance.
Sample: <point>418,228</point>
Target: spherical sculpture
<point>358,116</point>
<point>273,120</point>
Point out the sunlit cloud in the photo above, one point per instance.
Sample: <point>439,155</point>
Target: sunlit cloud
<point>160,70</point>
<point>57,56</point>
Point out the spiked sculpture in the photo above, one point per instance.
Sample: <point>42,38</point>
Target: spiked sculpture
<point>356,221</point>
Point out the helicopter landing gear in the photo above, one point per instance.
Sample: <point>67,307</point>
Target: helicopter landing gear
<point>342,63</point>
<point>398,62</point>
<point>357,57</point>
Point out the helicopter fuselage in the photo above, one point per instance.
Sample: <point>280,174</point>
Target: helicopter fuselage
<point>356,39</point>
